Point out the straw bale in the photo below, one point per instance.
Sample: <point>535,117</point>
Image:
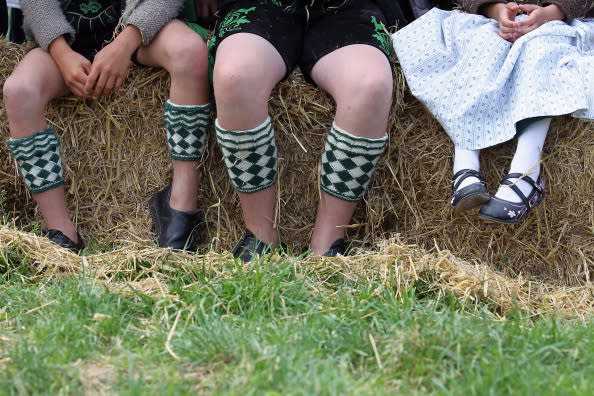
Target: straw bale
<point>135,268</point>
<point>116,158</point>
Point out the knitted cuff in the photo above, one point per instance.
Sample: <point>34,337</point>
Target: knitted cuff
<point>250,156</point>
<point>348,163</point>
<point>39,160</point>
<point>187,130</point>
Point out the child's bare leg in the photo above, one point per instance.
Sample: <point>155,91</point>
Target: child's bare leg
<point>247,68</point>
<point>183,54</point>
<point>359,78</point>
<point>35,81</point>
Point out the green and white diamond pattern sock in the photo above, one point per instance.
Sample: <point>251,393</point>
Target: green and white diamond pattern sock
<point>250,156</point>
<point>348,163</point>
<point>187,130</point>
<point>39,160</point>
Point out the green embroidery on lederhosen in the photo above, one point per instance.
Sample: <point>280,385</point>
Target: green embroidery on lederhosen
<point>92,16</point>
<point>234,20</point>
<point>92,7</point>
<point>381,35</point>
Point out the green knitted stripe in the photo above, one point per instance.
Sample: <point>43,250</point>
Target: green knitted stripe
<point>252,137</point>
<point>39,142</point>
<point>344,141</point>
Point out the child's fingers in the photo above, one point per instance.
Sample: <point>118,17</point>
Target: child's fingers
<point>528,8</point>
<point>77,87</point>
<point>101,85</point>
<point>110,85</point>
<point>91,81</point>
<point>86,65</point>
<point>511,37</point>
<point>118,83</point>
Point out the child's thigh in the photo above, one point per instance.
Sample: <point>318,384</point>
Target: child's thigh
<point>360,22</point>
<point>37,74</point>
<point>278,27</point>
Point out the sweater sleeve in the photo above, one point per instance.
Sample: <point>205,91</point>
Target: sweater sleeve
<point>571,8</point>
<point>149,16</point>
<point>45,21</point>
<point>472,6</point>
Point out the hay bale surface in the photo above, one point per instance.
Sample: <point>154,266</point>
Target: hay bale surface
<point>116,158</point>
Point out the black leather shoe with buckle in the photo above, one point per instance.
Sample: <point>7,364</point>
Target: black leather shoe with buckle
<point>502,211</point>
<point>470,196</point>
<point>175,229</point>
<point>58,237</point>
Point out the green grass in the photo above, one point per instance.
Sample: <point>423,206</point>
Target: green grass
<point>275,330</point>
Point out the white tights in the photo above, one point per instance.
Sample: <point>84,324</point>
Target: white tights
<point>526,160</point>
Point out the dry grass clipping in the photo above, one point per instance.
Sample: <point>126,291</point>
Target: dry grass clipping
<point>116,157</point>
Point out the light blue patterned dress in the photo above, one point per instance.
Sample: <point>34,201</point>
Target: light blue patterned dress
<point>479,85</point>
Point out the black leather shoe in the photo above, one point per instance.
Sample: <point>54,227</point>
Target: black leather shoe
<point>58,237</point>
<point>175,229</point>
<point>470,196</point>
<point>249,247</point>
<point>337,247</point>
<point>502,211</point>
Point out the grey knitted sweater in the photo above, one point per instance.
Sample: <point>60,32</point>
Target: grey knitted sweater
<point>571,8</point>
<point>44,20</point>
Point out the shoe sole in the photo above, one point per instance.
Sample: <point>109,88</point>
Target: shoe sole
<point>470,202</point>
<point>492,219</point>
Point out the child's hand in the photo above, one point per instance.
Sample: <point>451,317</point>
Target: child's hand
<point>111,64</point>
<point>538,16</point>
<point>73,66</point>
<point>108,71</point>
<point>505,14</point>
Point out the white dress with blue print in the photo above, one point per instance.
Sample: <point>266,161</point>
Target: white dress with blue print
<point>479,85</point>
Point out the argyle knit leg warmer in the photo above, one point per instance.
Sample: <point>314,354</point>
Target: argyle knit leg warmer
<point>348,162</point>
<point>187,130</point>
<point>39,160</point>
<point>250,156</point>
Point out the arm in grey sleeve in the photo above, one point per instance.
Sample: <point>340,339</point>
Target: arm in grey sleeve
<point>45,21</point>
<point>472,6</point>
<point>149,16</point>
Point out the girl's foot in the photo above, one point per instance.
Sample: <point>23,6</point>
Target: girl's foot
<point>506,211</point>
<point>469,190</point>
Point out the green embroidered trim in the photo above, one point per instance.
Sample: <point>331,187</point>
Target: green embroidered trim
<point>381,35</point>
<point>234,20</point>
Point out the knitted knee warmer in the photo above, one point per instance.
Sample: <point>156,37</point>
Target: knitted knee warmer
<point>250,156</point>
<point>39,160</point>
<point>348,163</point>
<point>187,130</point>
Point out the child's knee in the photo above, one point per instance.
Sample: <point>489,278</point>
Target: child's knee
<point>373,87</point>
<point>189,57</point>
<point>18,92</point>
<point>238,82</point>
<point>366,92</point>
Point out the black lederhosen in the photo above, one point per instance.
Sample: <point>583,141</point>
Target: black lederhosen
<point>303,33</point>
<point>94,22</point>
